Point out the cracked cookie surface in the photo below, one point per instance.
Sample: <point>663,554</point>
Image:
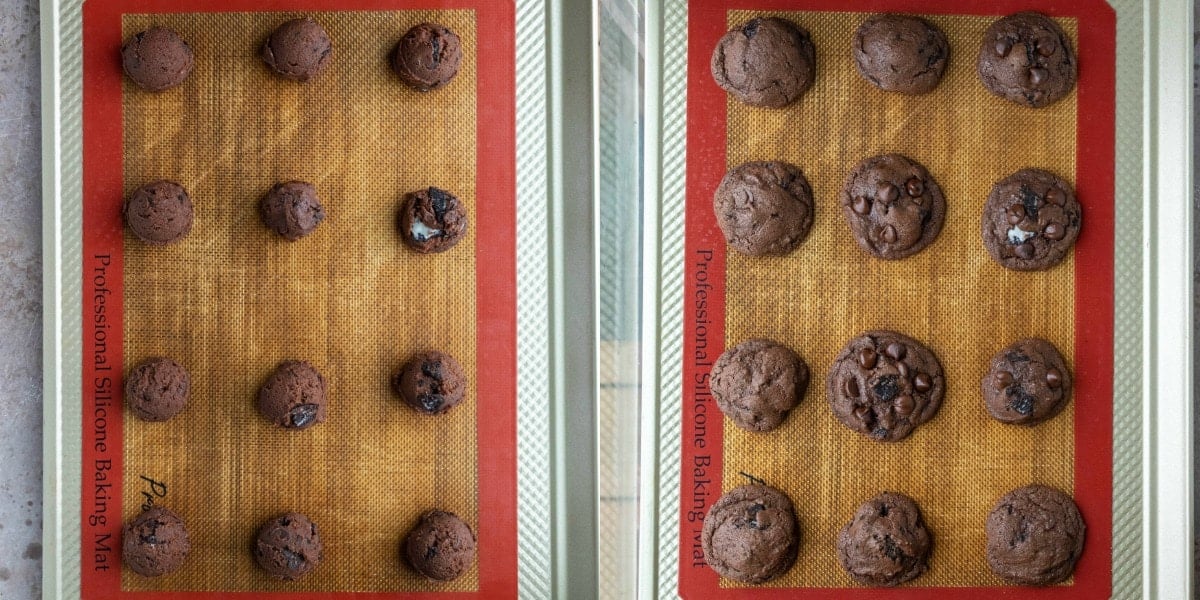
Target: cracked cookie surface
<point>767,62</point>
<point>751,534</point>
<point>1028,59</point>
<point>757,383</point>
<point>893,205</point>
<point>764,207</point>
<point>1034,536</point>
<point>886,543</point>
<point>1031,220</point>
<point>884,385</point>
<point>901,53</point>
<point>1027,383</point>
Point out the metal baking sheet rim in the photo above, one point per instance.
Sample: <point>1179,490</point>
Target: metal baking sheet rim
<point>1152,412</point>
<point>62,77</point>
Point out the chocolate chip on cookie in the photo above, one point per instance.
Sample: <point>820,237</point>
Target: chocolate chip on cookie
<point>1028,383</point>
<point>767,62</point>
<point>764,208</point>
<point>886,543</point>
<point>1031,220</point>
<point>751,534</point>
<point>884,384</point>
<point>1028,59</point>
<point>900,53</point>
<point>1034,536</point>
<point>757,382</point>
<point>893,206</point>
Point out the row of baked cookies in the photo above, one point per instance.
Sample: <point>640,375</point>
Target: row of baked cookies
<point>895,209</point>
<point>751,534</point>
<point>771,62</point>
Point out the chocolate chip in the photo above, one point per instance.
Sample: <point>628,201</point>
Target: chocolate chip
<point>922,382</point>
<point>1054,231</point>
<point>1002,379</point>
<point>1016,214</point>
<point>862,413</point>
<point>896,350</point>
<point>861,205</point>
<point>888,234</point>
<point>1047,46</point>
<point>905,405</point>
<point>851,387</point>
<point>1037,75</point>
<point>867,358</point>
<point>1003,47</point>
<point>1053,378</point>
<point>888,192</point>
<point>1053,196</point>
<point>1025,250</point>
<point>915,187</point>
<point>903,369</point>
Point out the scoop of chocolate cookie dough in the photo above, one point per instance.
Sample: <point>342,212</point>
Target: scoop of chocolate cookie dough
<point>157,59</point>
<point>294,396</point>
<point>299,49</point>
<point>1027,58</point>
<point>157,389</point>
<point>427,57</point>
<point>1034,536</point>
<point>764,207</point>
<point>159,213</point>
<point>1028,383</point>
<point>292,209</point>
<point>431,382</point>
<point>886,543</point>
<point>288,546</point>
<point>154,542</point>
<point>768,62</point>
<point>900,53</point>
<point>757,382</point>
<point>441,546</point>
<point>1031,220</point>
<point>432,220</point>
<point>884,385</point>
<point>751,534</point>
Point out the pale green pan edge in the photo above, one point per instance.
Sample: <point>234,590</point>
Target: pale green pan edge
<point>62,77</point>
<point>665,244</point>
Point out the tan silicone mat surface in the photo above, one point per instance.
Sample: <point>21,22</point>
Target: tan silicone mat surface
<point>951,296</point>
<point>234,299</point>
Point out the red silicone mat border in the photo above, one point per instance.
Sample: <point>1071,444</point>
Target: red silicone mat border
<point>495,316</point>
<point>704,290</point>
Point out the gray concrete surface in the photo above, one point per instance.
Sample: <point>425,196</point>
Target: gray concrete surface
<point>20,303</point>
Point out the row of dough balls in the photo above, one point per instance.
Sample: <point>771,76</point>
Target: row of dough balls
<point>426,58</point>
<point>161,212</point>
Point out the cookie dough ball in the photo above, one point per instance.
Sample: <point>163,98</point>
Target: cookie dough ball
<point>764,208</point>
<point>299,49</point>
<point>441,546</point>
<point>1034,536</point>
<point>159,213</point>
<point>427,57</point>
<point>1031,220</point>
<point>1028,383</point>
<point>886,543</point>
<point>751,534</point>
<point>766,62</point>
<point>894,207</point>
<point>901,53</point>
<point>294,396</point>
<point>292,209</point>
<point>157,389</point>
<point>884,385</point>
<point>157,59</point>
<point>1028,59</point>
<point>154,543</point>
<point>757,382</point>
<point>432,220</point>
<point>431,382</point>
<point>288,547</point>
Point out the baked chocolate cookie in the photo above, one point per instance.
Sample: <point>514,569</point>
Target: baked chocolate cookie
<point>157,389</point>
<point>159,213</point>
<point>901,53</point>
<point>292,209</point>
<point>757,382</point>
<point>441,546</point>
<point>1028,59</point>
<point>751,534</point>
<point>427,57</point>
<point>884,384</point>
<point>1028,383</point>
<point>1034,536</point>
<point>294,396</point>
<point>432,220</point>
<point>288,546</point>
<point>886,543</point>
<point>764,208</point>
<point>893,206</point>
<point>154,543</point>
<point>1031,220</point>
<point>157,59</point>
<point>767,62</point>
<point>299,49</point>
<point>431,382</point>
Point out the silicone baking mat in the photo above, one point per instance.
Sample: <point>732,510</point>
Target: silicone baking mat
<point>951,296</point>
<point>233,299</point>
